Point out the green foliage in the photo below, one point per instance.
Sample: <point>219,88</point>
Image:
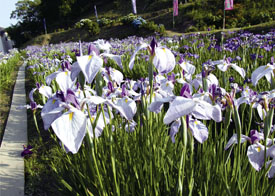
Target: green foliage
<point>201,14</point>
<point>151,26</point>
<point>105,22</point>
<point>128,19</point>
<point>246,12</point>
<point>7,67</point>
<point>191,28</point>
<point>89,25</point>
<point>26,10</point>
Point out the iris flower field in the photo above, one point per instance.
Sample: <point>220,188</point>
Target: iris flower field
<point>187,115</point>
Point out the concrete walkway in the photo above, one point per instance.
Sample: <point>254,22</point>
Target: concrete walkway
<point>12,179</point>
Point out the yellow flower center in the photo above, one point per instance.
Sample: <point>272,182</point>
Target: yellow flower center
<point>71,116</point>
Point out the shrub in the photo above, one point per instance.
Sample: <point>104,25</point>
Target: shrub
<point>89,25</point>
<point>128,19</point>
<point>151,26</point>
<point>138,22</point>
<point>191,28</point>
<point>105,22</point>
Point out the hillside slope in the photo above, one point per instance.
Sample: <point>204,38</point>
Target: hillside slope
<point>193,16</point>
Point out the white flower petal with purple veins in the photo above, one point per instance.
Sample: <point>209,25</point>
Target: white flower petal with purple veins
<point>80,95</point>
<point>64,81</point>
<point>179,107</point>
<point>166,88</point>
<point>75,70</point>
<point>203,97</point>
<point>130,126</point>
<point>206,111</point>
<point>188,68</point>
<point>46,91</point>
<point>126,107</point>
<point>223,66</point>
<point>260,109</point>
<point>117,76</point>
<point>52,76</point>
<point>271,172</point>
<point>234,140</point>
<point>116,58</point>
<point>93,100</point>
<point>218,62</point>
<point>90,65</point>
<point>271,152</point>
<point>70,128</point>
<point>269,77</point>
<point>197,82</point>
<point>261,72</point>
<point>255,153</point>
<point>50,112</point>
<point>241,100</point>
<point>240,70</point>
<point>132,60</point>
<point>164,60</point>
<point>158,102</point>
<point>103,45</point>
<point>174,129</point>
<point>31,94</point>
<point>212,79</point>
<point>199,130</point>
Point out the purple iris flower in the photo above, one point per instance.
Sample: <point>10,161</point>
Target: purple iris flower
<point>111,87</point>
<point>92,48</point>
<point>253,56</point>
<point>254,136</point>
<point>153,45</point>
<point>231,79</point>
<point>33,105</point>
<point>185,91</point>
<point>37,85</point>
<point>172,78</point>
<point>181,60</point>
<point>124,91</point>
<point>66,65</point>
<point>26,151</point>
<point>69,98</point>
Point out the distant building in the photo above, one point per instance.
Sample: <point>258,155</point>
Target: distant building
<point>5,43</point>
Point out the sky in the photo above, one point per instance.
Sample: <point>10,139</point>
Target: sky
<point>6,7</point>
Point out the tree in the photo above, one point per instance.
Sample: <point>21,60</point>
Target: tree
<point>26,11</point>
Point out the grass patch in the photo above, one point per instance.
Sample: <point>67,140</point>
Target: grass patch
<point>8,74</point>
<point>40,179</point>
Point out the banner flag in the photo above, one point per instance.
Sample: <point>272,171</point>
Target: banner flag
<point>228,4</point>
<point>175,7</point>
<point>95,12</point>
<point>134,6</point>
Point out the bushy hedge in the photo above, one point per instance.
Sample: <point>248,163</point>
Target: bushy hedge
<point>89,25</point>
